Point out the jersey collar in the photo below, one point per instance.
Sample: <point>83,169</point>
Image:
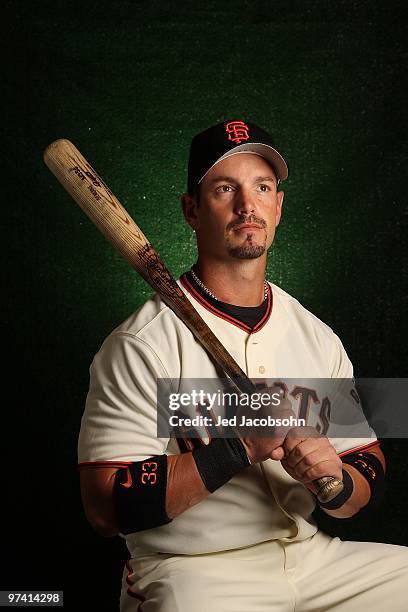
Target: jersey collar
<point>223,315</point>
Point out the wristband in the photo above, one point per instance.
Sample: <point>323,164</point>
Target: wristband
<point>343,496</point>
<point>371,468</point>
<point>218,461</point>
<point>139,495</point>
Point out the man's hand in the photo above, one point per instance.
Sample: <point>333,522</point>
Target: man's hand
<point>259,442</point>
<point>307,455</point>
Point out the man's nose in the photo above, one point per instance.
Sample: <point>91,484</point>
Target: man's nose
<point>244,202</point>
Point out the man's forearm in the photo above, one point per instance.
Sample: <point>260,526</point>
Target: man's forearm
<point>192,476</point>
<point>152,492</point>
<point>361,494</point>
<point>185,487</point>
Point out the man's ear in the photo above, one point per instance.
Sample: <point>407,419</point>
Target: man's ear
<point>189,206</point>
<point>278,214</point>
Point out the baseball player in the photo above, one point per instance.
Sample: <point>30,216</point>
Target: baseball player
<point>225,523</point>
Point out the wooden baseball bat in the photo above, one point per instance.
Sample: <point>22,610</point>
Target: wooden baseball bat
<point>99,203</point>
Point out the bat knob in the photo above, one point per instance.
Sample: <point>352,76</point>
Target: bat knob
<point>329,488</point>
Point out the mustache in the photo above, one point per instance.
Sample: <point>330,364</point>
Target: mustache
<point>249,219</point>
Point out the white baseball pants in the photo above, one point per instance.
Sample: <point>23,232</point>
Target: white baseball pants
<point>313,575</point>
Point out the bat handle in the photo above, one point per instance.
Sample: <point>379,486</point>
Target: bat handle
<point>328,488</point>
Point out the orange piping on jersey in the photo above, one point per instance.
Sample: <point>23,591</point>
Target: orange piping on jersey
<point>130,583</point>
<point>97,464</point>
<point>222,315</point>
<point>360,448</point>
<point>267,314</point>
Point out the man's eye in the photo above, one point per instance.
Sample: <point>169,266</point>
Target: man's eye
<point>224,188</point>
<point>263,187</point>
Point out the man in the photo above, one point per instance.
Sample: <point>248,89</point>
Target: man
<point>228,524</point>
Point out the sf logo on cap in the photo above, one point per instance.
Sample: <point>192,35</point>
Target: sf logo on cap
<point>237,131</point>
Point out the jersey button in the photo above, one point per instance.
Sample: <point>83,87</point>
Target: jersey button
<point>261,369</point>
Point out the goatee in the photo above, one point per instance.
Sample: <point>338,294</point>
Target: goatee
<point>247,251</point>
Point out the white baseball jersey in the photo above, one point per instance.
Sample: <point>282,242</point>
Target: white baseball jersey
<point>119,426</point>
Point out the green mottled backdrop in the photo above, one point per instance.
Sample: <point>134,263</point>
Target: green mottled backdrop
<point>130,83</point>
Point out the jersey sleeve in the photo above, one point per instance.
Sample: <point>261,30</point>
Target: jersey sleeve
<point>340,364</point>
<point>119,423</point>
<point>349,429</point>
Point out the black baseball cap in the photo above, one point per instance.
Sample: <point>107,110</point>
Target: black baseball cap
<point>224,139</point>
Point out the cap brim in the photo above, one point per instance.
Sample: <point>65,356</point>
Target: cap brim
<point>269,153</point>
